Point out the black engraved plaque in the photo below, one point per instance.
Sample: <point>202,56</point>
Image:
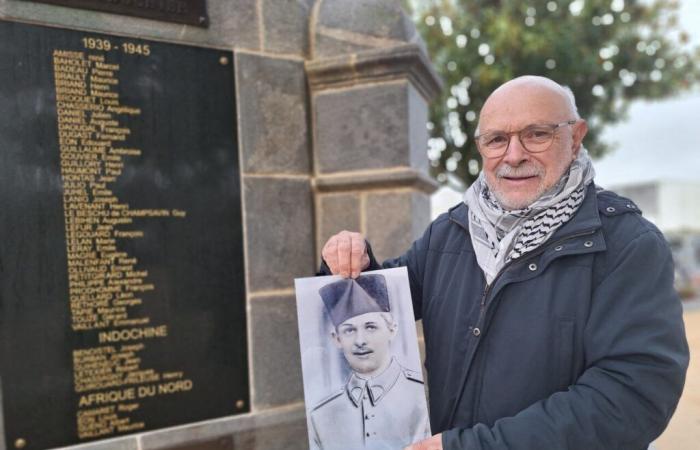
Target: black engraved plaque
<point>190,12</point>
<point>122,299</point>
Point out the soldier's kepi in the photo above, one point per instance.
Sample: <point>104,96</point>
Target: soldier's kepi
<point>349,298</point>
<point>382,404</point>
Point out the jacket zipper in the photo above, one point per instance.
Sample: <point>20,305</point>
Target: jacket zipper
<point>529,255</point>
<point>487,290</point>
<point>536,252</point>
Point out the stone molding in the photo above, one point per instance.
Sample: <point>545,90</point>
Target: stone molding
<point>202,431</point>
<point>403,177</point>
<point>402,62</point>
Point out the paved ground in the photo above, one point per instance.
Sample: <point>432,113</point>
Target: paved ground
<point>683,433</point>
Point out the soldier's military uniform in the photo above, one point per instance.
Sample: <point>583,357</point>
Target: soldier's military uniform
<point>384,412</point>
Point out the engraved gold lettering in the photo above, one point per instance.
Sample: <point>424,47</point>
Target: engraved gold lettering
<point>106,284</point>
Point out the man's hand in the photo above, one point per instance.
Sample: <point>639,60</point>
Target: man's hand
<point>433,443</point>
<point>346,254</point>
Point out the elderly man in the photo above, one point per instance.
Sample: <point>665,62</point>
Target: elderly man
<point>382,404</point>
<point>548,307</point>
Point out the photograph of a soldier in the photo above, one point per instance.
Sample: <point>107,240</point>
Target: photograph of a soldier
<point>363,385</point>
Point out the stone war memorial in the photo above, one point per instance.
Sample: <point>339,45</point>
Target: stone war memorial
<point>167,168</point>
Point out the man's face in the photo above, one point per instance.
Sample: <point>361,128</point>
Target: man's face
<point>518,178</point>
<point>365,341</point>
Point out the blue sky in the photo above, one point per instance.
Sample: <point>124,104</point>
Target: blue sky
<point>660,140</point>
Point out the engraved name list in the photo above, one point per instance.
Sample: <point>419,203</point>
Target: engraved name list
<point>105,283</point>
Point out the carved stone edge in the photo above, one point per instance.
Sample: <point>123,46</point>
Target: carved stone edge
<point>367,180</point>
<point>225,426</point>
<point>393,63</point>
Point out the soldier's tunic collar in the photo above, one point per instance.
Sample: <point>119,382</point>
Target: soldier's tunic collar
<point>375,387</point>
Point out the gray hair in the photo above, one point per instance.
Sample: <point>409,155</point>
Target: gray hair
<point>572,100</point>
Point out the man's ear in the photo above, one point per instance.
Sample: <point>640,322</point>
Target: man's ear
<point>580,130</point>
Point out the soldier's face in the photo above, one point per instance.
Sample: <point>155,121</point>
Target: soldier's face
<point>366,343</point>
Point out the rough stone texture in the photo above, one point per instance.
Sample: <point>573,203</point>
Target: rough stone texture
<point>395,220</point>
<point>286,436</point>
<point>328,46</point>
<point>337,212</point>
<point>362,128</point>
<point>275,352</point>
<point>349,26</point>
<point>220,443</point>
<point>123,443</point>
<point>397,63</point>
<point>279,231</point>
<point>286,26</point>
<point>418,118</point>
<point>272,117</point>
<point>233,23</point>
<point>373,18</point>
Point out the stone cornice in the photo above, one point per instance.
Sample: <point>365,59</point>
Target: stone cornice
<point>375,179</point>
<point>403,62</point>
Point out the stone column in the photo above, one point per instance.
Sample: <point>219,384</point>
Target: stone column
<point>371,82</point>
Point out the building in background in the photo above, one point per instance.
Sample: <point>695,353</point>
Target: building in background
<point>673,206</point>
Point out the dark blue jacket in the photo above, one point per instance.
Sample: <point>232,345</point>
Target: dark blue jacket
<point>578,345</point>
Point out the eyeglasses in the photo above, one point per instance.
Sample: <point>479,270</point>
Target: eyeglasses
<point>534,138</point>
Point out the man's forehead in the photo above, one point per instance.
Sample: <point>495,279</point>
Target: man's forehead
<point>524,102</point>
<point>363,318</point>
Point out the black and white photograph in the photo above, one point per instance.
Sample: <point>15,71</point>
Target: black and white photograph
<point>363,385</point>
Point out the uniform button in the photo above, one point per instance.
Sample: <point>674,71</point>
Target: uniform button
<point>367,434</point>
<point>532,267</point>
<point>558,248</point>
<point>366,417</point>
<point>588,244</point>
<point>476,331</point>
<point>610,209</point>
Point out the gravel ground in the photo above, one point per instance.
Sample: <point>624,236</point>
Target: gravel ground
<point>683,433</point>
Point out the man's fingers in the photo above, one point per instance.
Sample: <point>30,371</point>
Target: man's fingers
<point>330,254</point>
<point>357,251</point>
<point>344,253</point>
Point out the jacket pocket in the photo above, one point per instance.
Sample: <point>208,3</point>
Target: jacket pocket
<point>565,352</point>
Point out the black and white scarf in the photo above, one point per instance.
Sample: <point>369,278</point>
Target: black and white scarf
<point>499,235</point>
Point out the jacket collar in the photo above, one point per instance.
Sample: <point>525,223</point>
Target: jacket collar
<point>586,218</point>
<point>376,388</point>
